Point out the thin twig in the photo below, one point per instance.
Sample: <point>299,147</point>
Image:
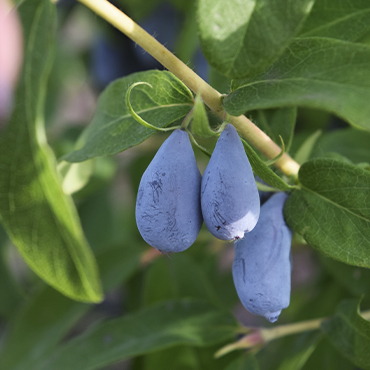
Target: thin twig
<point>210,96</point>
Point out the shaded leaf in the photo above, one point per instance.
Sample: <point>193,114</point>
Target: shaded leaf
<point>179,277</point>
<point>158,327</point>
<point>179,358</point>
<point>245,362</point>
<point>75,175</point>
<point>339,19</point>
<point>38,327</point>
<point>349,333</point>
<point>41,221</point>
<point>320,73</point>
<point>263,171</point>
<point>351,143</point>
<point>354,279</point>
<point>200,125</point>
<point>242,38</point>
<point>332,210</point>
<point>326,357</point>
<point>48,316</point>
<point>276,123</point>
<point>304,152</point>
<point>113,129</point>
<point>10,293</point>
<point>299,353</point>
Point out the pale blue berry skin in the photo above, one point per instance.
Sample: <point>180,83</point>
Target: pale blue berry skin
<point>229,195</point>
<point>262,265</point>
<point>168,213</point>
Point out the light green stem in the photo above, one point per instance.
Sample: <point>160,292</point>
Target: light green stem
<point>259,336</point>
<point>210,96</point>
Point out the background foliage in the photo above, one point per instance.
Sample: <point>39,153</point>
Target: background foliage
<point>300,70</point>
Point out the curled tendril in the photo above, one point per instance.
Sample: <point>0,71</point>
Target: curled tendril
<point>272,161</point>
<point>204,150</point>
<point>136,116</point>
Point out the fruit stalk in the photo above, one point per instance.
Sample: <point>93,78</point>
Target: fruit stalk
<point>261,336</point>
<point>210,96</point>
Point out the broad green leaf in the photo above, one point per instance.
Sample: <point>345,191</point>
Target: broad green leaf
<point>353,144</point>
<point>165,325</point>
<point>339,19</point>
<point>3,236</point>
<point>332,210</point>
<point>38,327</point>
<point>218,81</point>
<point>242,38</point>
<point>49,316</point>
<point>320,73</point>
<point>187,358</point>
<point>326,357</point>
<point>304,152</point>
<point>177,277</point>
<point>187,41</point>
<point>200,125</point>
<point>139,9</point>
<point>339,157</point>
<point>263,171</point>
<point>113,129</point>
<point>179,358</point>
<point>299,353</point>
<point>75,175</point>
<point>39,218</point>
<point>354,279</point>
<point>245,362</point>
<point>349,333</point>
<point>276,123</point>
<point>11,296</point>
<point>291,352</point>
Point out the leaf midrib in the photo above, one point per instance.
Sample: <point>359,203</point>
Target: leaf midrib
<point>332,23</point>
<point>332,202</point>
<point>304,79</point>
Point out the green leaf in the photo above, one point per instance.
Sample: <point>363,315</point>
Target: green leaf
<point>179,277</point>
<point>38,327</point>
<point>354,279</point>
<point>344,19</point>
<point>350,143</point>
<point>179,358</point>
<point>304,152</point>
<point>168,324</point>
<point>263,171</point>
<point>113,129</point>
<point>349,333</point>
<point>75,175</point>
<point>48,316</point>
<point>332,210</point>
<point>10,293</point>
<point>139,9</point>
<point>187,41</point>
<point>242,38</point>
<point>326,357</point>
<point>320,73</point>
<point>300,352</point>
<point>276,123</point>
<point>39,218</point>
<point>200,125</point>
<point>245,362</point>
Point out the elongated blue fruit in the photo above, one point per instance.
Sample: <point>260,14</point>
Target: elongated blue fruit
<point>229,195</point>
<point>262,265</point>
<point>168,213</point>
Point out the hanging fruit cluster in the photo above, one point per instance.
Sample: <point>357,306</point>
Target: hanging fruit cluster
<point>174,199</point>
